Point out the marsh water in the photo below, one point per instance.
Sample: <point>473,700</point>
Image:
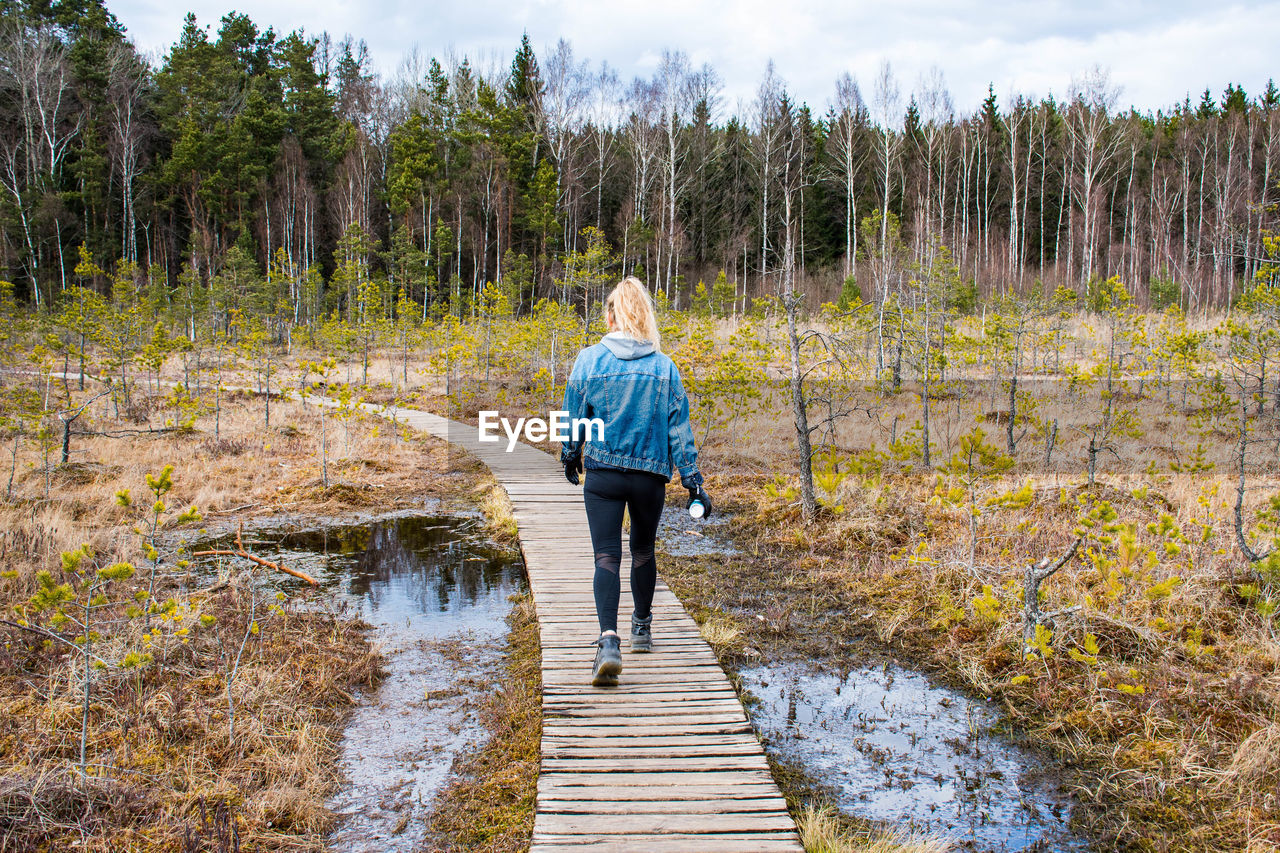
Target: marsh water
<point>893,746</point>
<point>900,749</point>
<point>437,593</point>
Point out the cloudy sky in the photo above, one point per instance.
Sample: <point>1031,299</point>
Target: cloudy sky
<point>1158,52</point>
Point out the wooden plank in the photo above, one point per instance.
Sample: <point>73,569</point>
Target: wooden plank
<point>653,824</point>
<point>585,689</point>
<point>656,742</point>
<point>681,807</point>
<point>673,778</point>
<point>688,843</point>
<point>713,705</point>
<point>615,752</point>
<point>649,763</point>
<point>725,712</point>
<point>672,795</point>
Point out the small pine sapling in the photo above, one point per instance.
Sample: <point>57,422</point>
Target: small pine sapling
<point>975,463</point>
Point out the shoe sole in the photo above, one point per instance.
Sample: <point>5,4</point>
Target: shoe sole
<point>641,645</point>
<point>607,674</point>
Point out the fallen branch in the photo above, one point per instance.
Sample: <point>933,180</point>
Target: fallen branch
<point>253,558</point>
<point>116,433</point>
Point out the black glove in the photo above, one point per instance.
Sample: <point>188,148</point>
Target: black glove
<point>697,493</point>
<point>571,469</point>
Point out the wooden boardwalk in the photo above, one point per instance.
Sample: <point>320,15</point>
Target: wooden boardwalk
<point>666,761</point>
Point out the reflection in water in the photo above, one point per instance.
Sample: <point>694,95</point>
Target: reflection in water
<point>413,565</point>
<point>437,594</point>
<point>901,750</point>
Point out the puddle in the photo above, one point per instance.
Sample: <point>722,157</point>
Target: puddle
<point>436,593</point>
<point>681,536</point>
<point>899,749</point>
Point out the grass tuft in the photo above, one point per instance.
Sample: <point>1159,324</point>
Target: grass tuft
<point>721,632</point>
<point>500,519</point>
<point>822,832</point>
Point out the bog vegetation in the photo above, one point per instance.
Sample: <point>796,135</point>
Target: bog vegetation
<point>1005,384</point>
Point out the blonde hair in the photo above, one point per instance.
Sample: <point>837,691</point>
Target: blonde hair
<point>631,307</point>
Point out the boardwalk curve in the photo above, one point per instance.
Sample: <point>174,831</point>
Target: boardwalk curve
<point>666,761</point>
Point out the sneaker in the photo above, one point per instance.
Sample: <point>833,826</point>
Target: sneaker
<point>608,661</point>
<point>641,638</point>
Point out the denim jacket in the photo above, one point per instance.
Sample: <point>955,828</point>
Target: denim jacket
<point>636,392</point>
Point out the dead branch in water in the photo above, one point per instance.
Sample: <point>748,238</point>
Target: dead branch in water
<point>242,553</point>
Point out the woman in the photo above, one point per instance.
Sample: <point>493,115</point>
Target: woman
<point>628,383</point>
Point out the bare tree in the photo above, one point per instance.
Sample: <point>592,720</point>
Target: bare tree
<point>936,114</point>
<point>564,103</point>
<point>1093,98</point>
<point>292,203</point>
<point>887,114</point>
<point>850,154</point>
<point>1019,117</point>
<point>127,79</point>
<point>603,117</point>
<point>641,133</point>
<point>790,177</point>
<point>674,86</point>
<point>36,77</point>
<point>768,148</point>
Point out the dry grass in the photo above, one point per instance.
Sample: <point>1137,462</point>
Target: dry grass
<point>500,520</point>
<point>1183,763</point>
<point>159,745</point>
<point>721,632</point>
<point>1190,747</point>
<point>822,832</point>
<point>1172,732</point>
<point>1255,766</point>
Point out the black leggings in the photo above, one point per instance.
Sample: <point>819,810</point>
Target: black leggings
<point>605,494</point>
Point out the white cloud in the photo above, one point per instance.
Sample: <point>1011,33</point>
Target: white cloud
<point>1158,52</point>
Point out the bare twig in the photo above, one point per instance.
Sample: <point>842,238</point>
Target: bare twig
<point>48,635</point>
<point>240,508</point>
<point>1038,573</point>
<point>253,558</point>
<point>1242,447</point>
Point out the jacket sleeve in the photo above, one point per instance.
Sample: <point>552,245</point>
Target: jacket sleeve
<point>575,404</point>
<point>684,456</point>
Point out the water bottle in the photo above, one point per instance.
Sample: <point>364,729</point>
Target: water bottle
<point>697,507</point>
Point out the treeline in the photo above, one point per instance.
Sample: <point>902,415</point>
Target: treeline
<point>281,174</point>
